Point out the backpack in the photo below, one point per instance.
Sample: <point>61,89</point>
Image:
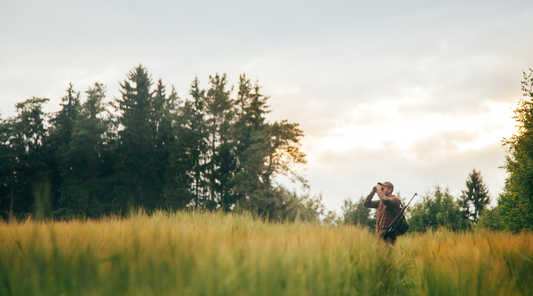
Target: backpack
<point>403,226</point>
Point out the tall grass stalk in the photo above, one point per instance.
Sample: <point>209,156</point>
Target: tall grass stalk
<point>192,253</point>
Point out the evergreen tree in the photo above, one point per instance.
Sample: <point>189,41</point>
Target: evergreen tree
<point>137,178</point>
<point>253,134</point>
<point>179,174</point>
<point>64,120</point>
<point>82,168</point>
<point>264,150</point>
<point>275,152</point>
<point>165,108</point>
<point>13,153</point>
<point>60,135</point>
<point>250,131</point>
<point>186,177</point>
<point>221,166</point>
<point>195,112</point>
<point>475,198</point>
<point>515,204</point>
<point>22,147</point>
<point>5,166</point>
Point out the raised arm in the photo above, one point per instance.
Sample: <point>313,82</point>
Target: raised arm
<point>389,201</point>
<point>369,203</point>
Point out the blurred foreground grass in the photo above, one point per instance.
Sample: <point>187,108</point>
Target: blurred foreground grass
<point>190,253</point>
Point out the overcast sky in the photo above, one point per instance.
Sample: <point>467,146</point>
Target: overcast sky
<point>413,92</point>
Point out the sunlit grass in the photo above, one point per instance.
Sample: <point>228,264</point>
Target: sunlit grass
<point>190,253</point>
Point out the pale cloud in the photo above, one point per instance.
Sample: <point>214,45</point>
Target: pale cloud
<point>381,123</point>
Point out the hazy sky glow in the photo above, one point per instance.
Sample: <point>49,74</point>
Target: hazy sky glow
<point>414,92</point>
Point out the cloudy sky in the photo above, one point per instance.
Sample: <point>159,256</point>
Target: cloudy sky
<point>415,92</point>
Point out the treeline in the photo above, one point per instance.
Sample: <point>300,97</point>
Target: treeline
<point>150,148</point>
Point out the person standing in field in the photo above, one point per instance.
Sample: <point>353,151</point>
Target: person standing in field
<point>388,206</point>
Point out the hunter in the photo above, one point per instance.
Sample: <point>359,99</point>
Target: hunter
<point>388,206</point>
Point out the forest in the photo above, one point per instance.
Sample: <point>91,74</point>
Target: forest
<point>151,149</point>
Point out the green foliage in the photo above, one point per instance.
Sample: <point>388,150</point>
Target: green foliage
<point>6,160</point>
<point>273,151</point>
<point>515,204</point>
<point>209,151</point>
<point>516,212</point>
<point>288,206</point>
<point>24,155</point>
<point>63,122</point>
<point>137,179</point>
<point>491,219</point>
<point>186,172</point>
<point>221,145</point>
<point>58,142</point>
<point>84,169</point>
<point>437,209</point>
<point>356,213</point>
<point>475,198</point>
<point>306,207</point>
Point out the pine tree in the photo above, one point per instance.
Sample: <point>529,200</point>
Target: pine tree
<point>137,179</point>
<point>221,166</point>
<point>5,166</point>
<point>65,119</point>
<point>23,137</point>
<point>57,144</point>
<point>186,176</point>
<point>251,131</point>
<point>199,137</point>
<point>264,151</point>
<point>182,156</point>
<point>165,115</point>
<point>475,198</point>
<point>82,166</point>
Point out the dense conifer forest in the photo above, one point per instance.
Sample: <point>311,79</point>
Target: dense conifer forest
<point>153,149</point>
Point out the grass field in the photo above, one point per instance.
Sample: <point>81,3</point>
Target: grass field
<point>190,253</point>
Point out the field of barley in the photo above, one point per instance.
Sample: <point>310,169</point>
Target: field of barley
<point>191,253</point>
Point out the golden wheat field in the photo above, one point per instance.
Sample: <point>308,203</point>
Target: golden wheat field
<point>192,253</point>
